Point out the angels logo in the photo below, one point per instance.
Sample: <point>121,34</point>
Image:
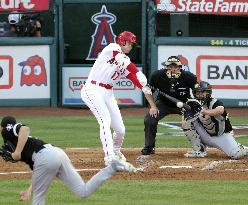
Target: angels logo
<point>103,34</point>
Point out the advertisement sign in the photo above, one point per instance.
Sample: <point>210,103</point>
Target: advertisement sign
<point>25,72</point>
<point>225,68</point>
<point>24,5</point>
<point>73,78</point>
<point>223,7</point>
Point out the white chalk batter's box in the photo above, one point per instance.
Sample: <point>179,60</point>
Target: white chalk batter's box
<point>6,66</point>
<point>223,72</point>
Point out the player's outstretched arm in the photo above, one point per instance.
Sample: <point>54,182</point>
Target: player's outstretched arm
<point>25,195</point>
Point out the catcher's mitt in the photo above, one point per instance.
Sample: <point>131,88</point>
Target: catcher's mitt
<point>195,110</point>
<point>6,150</point>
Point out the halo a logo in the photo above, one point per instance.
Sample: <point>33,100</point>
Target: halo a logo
<point>103,33</point>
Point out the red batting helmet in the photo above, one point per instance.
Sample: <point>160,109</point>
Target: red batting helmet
<point>126,36</point>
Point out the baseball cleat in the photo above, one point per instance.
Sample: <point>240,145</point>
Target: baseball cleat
<point>121,165</point>
<point>195,154</point>
<point>148,150</point>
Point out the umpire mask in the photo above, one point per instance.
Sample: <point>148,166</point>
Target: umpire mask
<point>173,67</point>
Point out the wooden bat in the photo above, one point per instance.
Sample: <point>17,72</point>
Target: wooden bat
<point>178,103</point>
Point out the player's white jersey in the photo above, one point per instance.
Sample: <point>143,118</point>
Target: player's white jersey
<point>110,65</point>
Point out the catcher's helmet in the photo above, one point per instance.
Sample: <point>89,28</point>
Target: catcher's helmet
<point>126,36</point>
<point>8,120</point>
<point>202,87</point>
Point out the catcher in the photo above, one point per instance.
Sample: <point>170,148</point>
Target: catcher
<point>48,162</point>
<point>207,124</point>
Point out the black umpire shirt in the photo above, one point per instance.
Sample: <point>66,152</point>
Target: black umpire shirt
<point>179,89</point>
<point>10,132</point>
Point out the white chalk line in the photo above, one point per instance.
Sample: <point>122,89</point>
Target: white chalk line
<point>28,172</point>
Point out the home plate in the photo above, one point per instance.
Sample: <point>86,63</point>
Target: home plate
<point>177,166</point>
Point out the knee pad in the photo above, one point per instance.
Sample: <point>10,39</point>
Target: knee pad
<point>195,139</point>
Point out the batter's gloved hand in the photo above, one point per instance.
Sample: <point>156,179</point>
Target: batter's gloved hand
<point>195,110</point>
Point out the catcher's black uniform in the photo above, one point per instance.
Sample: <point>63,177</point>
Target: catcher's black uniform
<point>179,89</point>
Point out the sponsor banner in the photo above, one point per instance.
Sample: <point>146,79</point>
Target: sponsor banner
<point>224,7</point>
<point>73,78</point>
<point>24,5</point>
<point>225,68</point>
<point>26,72</point>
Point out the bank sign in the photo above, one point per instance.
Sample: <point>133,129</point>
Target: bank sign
<point>74,78</point>
<point>24,5</point>
<point>225,68</point>
<point>224,7</point>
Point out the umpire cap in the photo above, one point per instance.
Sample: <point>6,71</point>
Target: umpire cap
<point>8,120</point>
<point>172,60</point>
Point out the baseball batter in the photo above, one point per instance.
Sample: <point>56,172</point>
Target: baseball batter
<point>212,127</point>
<point>48,162</point>
<point>113,64</point>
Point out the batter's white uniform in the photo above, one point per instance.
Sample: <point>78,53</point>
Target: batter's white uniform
<point>97,93</point>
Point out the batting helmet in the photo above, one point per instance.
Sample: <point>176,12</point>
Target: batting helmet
<point>126,36</point>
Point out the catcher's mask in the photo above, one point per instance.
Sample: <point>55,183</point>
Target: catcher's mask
<point>203,92</point>
<point>173,67</point>
<point>8,120</point>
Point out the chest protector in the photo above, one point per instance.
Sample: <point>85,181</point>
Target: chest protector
<point>214,125</point>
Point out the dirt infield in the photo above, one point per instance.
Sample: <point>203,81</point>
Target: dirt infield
<point>167,163</point>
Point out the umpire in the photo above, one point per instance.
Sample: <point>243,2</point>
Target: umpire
<point>175,82</point>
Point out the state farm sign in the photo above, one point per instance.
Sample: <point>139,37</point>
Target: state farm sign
<point>227,7</point>
<point>24,5</point>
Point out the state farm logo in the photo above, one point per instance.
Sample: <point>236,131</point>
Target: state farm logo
<point>23,5</point>
<point>223,72</point>
<point>202,6</point>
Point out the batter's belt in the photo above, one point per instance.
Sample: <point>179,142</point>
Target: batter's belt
<point>107,86</point>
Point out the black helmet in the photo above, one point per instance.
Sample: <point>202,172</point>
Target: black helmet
<point>8,120</point>
<point>202,87</point>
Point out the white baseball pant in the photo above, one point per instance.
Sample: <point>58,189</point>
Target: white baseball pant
<point>52,162</point>
<point>225,142</point>
<point>103,105</point>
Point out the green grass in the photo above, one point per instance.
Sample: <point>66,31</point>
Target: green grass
<point>137,192</point>
<point>84,132</point>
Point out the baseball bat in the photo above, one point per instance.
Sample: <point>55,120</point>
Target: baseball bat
<point>172,99</point>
